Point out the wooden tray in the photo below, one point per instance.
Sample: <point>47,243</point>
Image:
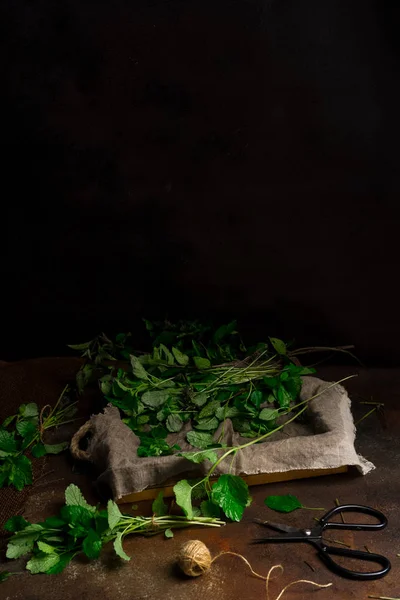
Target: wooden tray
<point>259,479</point>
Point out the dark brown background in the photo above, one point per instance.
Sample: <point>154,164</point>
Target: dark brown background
<point>200,157</point>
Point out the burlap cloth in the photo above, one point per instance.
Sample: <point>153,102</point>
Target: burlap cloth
<point>325,440</point>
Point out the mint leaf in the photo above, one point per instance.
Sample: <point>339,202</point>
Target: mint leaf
<point>201,363</point>
<point>181,359</point>
<point>209,410</point>
<point>137,368</point>
<point>62,563</point>
<point>22,542</point>
<point>20,473</point>
<point>42,563</point>
<point>159,507</point>
<point>16,524</point>
<point>268,414</point>
<point>282,396</point>
<point>256,398</point>
<point>198,457</point>
<point>77,515</point>
<point>27,428</point>
<point>92,544</point>
<point>53,523</point>
<point>74,497</point>
<point>118,547</point>
<point>200,399</point>
<point>29,410</point>
<point>8,420</point>
<point>113,514</point>
<point>208,424</point>
<point>56,448</point>
<point>38,450</point>
<point>209,509</point>
<point>183,497</point>
<point>227,412</point>
<point>4,576</point>
<point>285,504</point>
<point>155,398</point>
<point>199,439</point>
<point>7,442</point>
<point>169,533</point>
<point>46,548</point>
<point>279,346</point>
<point>231,493</point>
<point>174,423</point>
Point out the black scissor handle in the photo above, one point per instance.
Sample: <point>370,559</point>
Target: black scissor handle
<point>326,551</point>
<point>358,508</point>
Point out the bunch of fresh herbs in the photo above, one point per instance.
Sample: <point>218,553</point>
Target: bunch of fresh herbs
<point>23,433</point>
<point>80,528</point>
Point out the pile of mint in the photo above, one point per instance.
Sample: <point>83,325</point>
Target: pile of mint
<point>197,374</point>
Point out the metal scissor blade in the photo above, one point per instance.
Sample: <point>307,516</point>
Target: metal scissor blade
<point>278,526</point>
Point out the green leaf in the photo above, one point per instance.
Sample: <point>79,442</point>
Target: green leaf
<point>268,414</point>
<point>209,410</point>
<point>174,423</point>
<point>223,331</point>
<point>56,448</point>
<point>29,410</point>
<point>285,504</point>
<point>200,399</point>
<point>53,523</point>
<point>293,386</point>
<point>65,559</point>
<point>279,346</point>
<point>4,576</point>
<point>181,359</point>
<point>42,563</point>
<point>137,368</point>
<point>20,473</point>
<point>118,547</point>
<point>46,548</point>
<point>159,508</point>
<point>168,355</point>
<point>198,439</point>
<point>92,544</point>
<point>7,442</point>
<point>231,493</point>
<point>209,509</point>
<point>201,363</point>
<point>83,346</point>
<point>256,398</point>
<point>113,513</point>
<point>77,515</point>
<point>227,412</point>
<point>16,524</point>
<point>84,376</point>
<point>183,497</point>
<point>155,398</point>
<point>74,497</point>
<point>8,420</point>
<point>21,545</point>
<point>282,396</point>
<point>271,382</point>
<point>198,457</point>
<point>38,450</point>
<point>169,533</point>
<point>208,424</point>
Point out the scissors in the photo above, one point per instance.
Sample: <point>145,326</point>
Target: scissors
<point>313,536</point>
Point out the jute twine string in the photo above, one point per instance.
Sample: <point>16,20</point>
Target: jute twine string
<point>195,559</point>
<point>74,448</point>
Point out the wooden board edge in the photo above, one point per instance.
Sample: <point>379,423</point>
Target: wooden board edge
<point>258,479</point>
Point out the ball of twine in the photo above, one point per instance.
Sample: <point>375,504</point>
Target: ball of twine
<point>194,558</point>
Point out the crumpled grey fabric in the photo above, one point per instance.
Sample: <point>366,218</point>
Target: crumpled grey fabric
<point>324,441</point>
